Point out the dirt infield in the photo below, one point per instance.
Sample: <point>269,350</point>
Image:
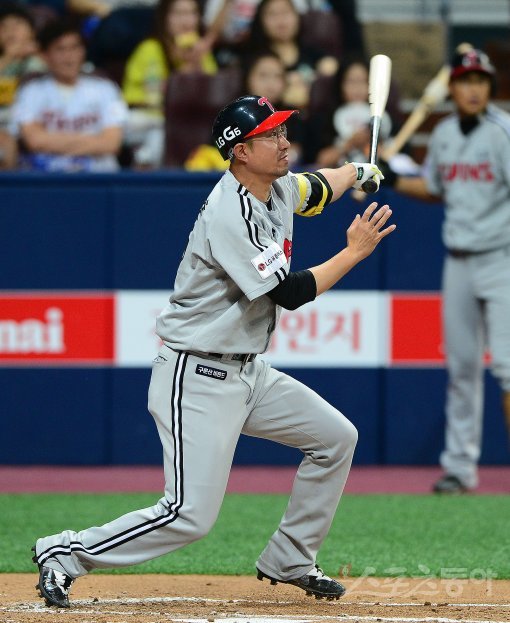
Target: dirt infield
<point>161,598</point>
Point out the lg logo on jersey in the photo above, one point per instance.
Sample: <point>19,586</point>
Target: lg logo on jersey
<point>287,248</point>
<point>229,134</point>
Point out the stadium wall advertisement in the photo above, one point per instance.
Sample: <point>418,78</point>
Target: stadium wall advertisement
<point>361,329</point>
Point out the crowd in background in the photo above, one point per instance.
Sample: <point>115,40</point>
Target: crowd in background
<point>96,85</point>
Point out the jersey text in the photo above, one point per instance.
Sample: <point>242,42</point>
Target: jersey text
<point>221,375</point>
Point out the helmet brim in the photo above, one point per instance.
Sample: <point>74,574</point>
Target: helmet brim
<point>273,121</point>
<point>462,70</point>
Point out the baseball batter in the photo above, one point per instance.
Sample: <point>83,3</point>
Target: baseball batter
<point>468,167</point>
<point>208,383</point>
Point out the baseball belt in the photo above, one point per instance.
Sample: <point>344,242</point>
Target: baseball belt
<point>244,357</point>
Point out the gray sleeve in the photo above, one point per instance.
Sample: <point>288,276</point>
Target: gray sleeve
<point>242,248</point>
<point>431,170</point>
<point>504,155</point>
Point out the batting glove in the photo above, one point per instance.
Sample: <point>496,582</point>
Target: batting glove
<point>366,171</point>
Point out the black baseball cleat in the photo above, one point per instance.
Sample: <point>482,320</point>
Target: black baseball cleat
<point>449,484</point>
<point>313,583</point>
<point>53,585</point>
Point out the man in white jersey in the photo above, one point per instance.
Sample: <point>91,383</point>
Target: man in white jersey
<point>208,383</point>
<point>468,167</point>
<point>68,121</point>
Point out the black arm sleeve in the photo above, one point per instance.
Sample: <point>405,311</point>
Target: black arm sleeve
<point>295,290</point>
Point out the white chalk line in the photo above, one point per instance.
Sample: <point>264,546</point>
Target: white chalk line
<point>80,607</point>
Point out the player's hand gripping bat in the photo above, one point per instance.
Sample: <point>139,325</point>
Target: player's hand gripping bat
<point>379,77</point>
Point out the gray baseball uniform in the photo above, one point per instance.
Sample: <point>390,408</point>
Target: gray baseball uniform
<point>472,173</point>
<point>205,391</point>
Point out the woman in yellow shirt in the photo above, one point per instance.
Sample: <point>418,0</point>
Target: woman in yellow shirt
<point>177,46</point>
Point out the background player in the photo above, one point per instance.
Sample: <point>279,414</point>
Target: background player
<point>208,385</point>
<point>468,166</point>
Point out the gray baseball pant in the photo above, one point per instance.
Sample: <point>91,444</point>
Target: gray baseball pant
<point>476,310</point>
<point>199,420</point>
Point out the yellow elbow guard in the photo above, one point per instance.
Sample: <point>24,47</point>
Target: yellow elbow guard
<point>320,194</point>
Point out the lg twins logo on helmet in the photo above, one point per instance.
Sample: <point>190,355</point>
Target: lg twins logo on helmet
<point>229,134</point>
<point>471,58</point>
<point>263,101</point>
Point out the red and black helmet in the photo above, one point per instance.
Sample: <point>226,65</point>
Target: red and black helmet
<point>472,60</point>
<point>244,118</point>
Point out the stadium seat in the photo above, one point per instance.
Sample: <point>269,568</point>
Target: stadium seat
<point>323,30</point>
<point>321,95</point>
<point>41,15</point>
<point>191,104</point>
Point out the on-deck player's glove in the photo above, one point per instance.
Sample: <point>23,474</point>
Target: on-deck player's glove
<point>366,171</point>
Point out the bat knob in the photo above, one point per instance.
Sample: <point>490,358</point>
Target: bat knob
<point>370,186</point>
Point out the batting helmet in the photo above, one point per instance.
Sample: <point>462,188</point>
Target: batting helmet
<point>244,118</point>
<point>473,60</point>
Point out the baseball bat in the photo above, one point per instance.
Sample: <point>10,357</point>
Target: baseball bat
<point>379,77</point>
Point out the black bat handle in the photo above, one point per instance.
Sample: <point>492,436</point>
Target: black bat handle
<point>370,186</point>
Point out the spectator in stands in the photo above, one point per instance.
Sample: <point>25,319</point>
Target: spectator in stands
<point>18,57</point>
<point>228,23</point>
<point>113,27</point>
<point>67,121</point>
<point>19,53</point>
<point>263,74</point>
<point>206,157</point>
<point>276,26</point>
<point>173,49</point>
<point>348,120</point>
<point>344,131</point>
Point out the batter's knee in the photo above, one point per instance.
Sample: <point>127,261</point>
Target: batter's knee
<point>349,435</point>
<point>199,525</point>
<point>465,368</point>
<point>340,443</point>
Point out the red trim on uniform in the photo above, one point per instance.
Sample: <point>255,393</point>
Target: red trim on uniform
<point>273,121</point>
